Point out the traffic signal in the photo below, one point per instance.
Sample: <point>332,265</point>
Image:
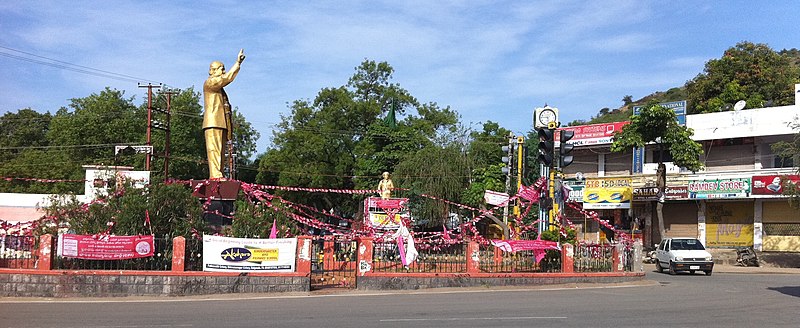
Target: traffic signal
<point>506,159</point>
<point>546,144</point>
<point>565,159</point>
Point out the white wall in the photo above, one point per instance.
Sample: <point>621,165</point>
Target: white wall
<point>744,123</point>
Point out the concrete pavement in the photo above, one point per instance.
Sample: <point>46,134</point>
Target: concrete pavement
<point>764,268</point>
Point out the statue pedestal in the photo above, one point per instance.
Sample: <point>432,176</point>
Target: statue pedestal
<point>218,198</point>
<point>217,190</point>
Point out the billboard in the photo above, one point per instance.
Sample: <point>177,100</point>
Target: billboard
<point>592,134</point>
<point>679,107</point>
<point>607,193</point>
<point>772,184</point>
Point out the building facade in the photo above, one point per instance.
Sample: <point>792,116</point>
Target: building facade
<point>736,200</point>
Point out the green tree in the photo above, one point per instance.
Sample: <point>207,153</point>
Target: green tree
<point>790,150</point>
<point>339,140</point>
<point>656,124</point>
<point>627,100</point>
<point>24,129</point>
<point>752,71</point>
<point>172,209</point>
<point>23,150</point>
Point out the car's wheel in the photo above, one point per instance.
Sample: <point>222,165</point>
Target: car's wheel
<point>708,273</point>
<point>671,268</point>
<point>658,267</point>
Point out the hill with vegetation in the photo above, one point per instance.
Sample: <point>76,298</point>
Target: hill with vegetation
<point>748,71</point>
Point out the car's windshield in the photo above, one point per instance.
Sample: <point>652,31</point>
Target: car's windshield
<point>686,244</point>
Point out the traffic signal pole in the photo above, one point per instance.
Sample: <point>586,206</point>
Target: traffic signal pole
<point>520,142</point>
<point>551,187</point>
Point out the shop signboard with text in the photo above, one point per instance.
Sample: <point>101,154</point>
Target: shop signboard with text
<point>719,188</point>
<point>651,193</point>
<point>607,193</point>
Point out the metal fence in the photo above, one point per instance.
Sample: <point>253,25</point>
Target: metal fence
<point>194,255</point>
<point>18,252</point>
<point>493,260</point>
<point>594,257</point>
<point>160,261</point>
<point>333,263</point>
<point>445,258</point>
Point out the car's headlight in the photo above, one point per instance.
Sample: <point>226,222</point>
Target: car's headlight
<point>710,259</point>
<point>678,258</point>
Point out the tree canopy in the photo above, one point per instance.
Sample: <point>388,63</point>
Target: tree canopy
<point>748,71</point>
<point>86,131</point>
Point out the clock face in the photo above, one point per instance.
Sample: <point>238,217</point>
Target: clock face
<point>546,116</point>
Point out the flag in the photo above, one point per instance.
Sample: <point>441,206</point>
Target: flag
<point>445,233</point>
<point>391,120</point>
<point>274,232</point>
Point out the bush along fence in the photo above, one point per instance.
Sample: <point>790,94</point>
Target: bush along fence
<point>176,267</point>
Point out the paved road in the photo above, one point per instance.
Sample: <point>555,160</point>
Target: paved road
<point>721,300</point>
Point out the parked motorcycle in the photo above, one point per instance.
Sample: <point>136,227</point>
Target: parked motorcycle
<point>746,256</point>
<point>651,256</point>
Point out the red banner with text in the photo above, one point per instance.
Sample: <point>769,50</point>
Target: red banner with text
<point>105,248</point>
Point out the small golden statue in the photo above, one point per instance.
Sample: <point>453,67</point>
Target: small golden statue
<point>217,119</point>
<point>385,186</point>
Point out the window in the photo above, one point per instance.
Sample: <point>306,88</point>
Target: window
<point>782,162</point>
<point>667,156</point>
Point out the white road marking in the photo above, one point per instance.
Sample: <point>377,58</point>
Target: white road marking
<point>467,319</point>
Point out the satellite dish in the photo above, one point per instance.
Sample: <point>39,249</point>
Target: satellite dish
<point>579,176</point>
<point>739,105</point>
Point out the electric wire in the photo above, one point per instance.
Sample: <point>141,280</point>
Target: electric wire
<point>70,66</point>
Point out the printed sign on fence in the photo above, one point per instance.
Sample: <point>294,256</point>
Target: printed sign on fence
<point>249,254</point>
<point>90,247</point>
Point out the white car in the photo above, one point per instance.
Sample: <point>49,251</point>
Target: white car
<point>683,254</point>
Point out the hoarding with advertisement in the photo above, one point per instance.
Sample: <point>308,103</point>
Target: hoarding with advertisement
<point>720,188</point>
<point>607,193</point>
<point>592,134</point>
<point>90,247</point>
<point>772,184</point>
<point>226,254</point>
<point>679,107</point>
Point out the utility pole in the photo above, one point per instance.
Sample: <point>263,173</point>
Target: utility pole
<point>167,130</point>
<point>150,88</point>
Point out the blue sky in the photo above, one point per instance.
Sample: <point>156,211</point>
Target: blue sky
<point>488,60</point>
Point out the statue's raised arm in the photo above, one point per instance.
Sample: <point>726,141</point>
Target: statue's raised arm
<point>216,124</point>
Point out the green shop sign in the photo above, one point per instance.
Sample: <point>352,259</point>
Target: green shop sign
<point>720,188</point>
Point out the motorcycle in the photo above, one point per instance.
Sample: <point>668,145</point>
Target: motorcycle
<point>746,256</point>
<point>651,256</point>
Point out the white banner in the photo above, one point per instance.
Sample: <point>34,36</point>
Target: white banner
<point>249,255</point>
<point>495,198</point>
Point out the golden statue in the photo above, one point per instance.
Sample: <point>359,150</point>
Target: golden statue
<point>385,186</point>
<point>217,119</point>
